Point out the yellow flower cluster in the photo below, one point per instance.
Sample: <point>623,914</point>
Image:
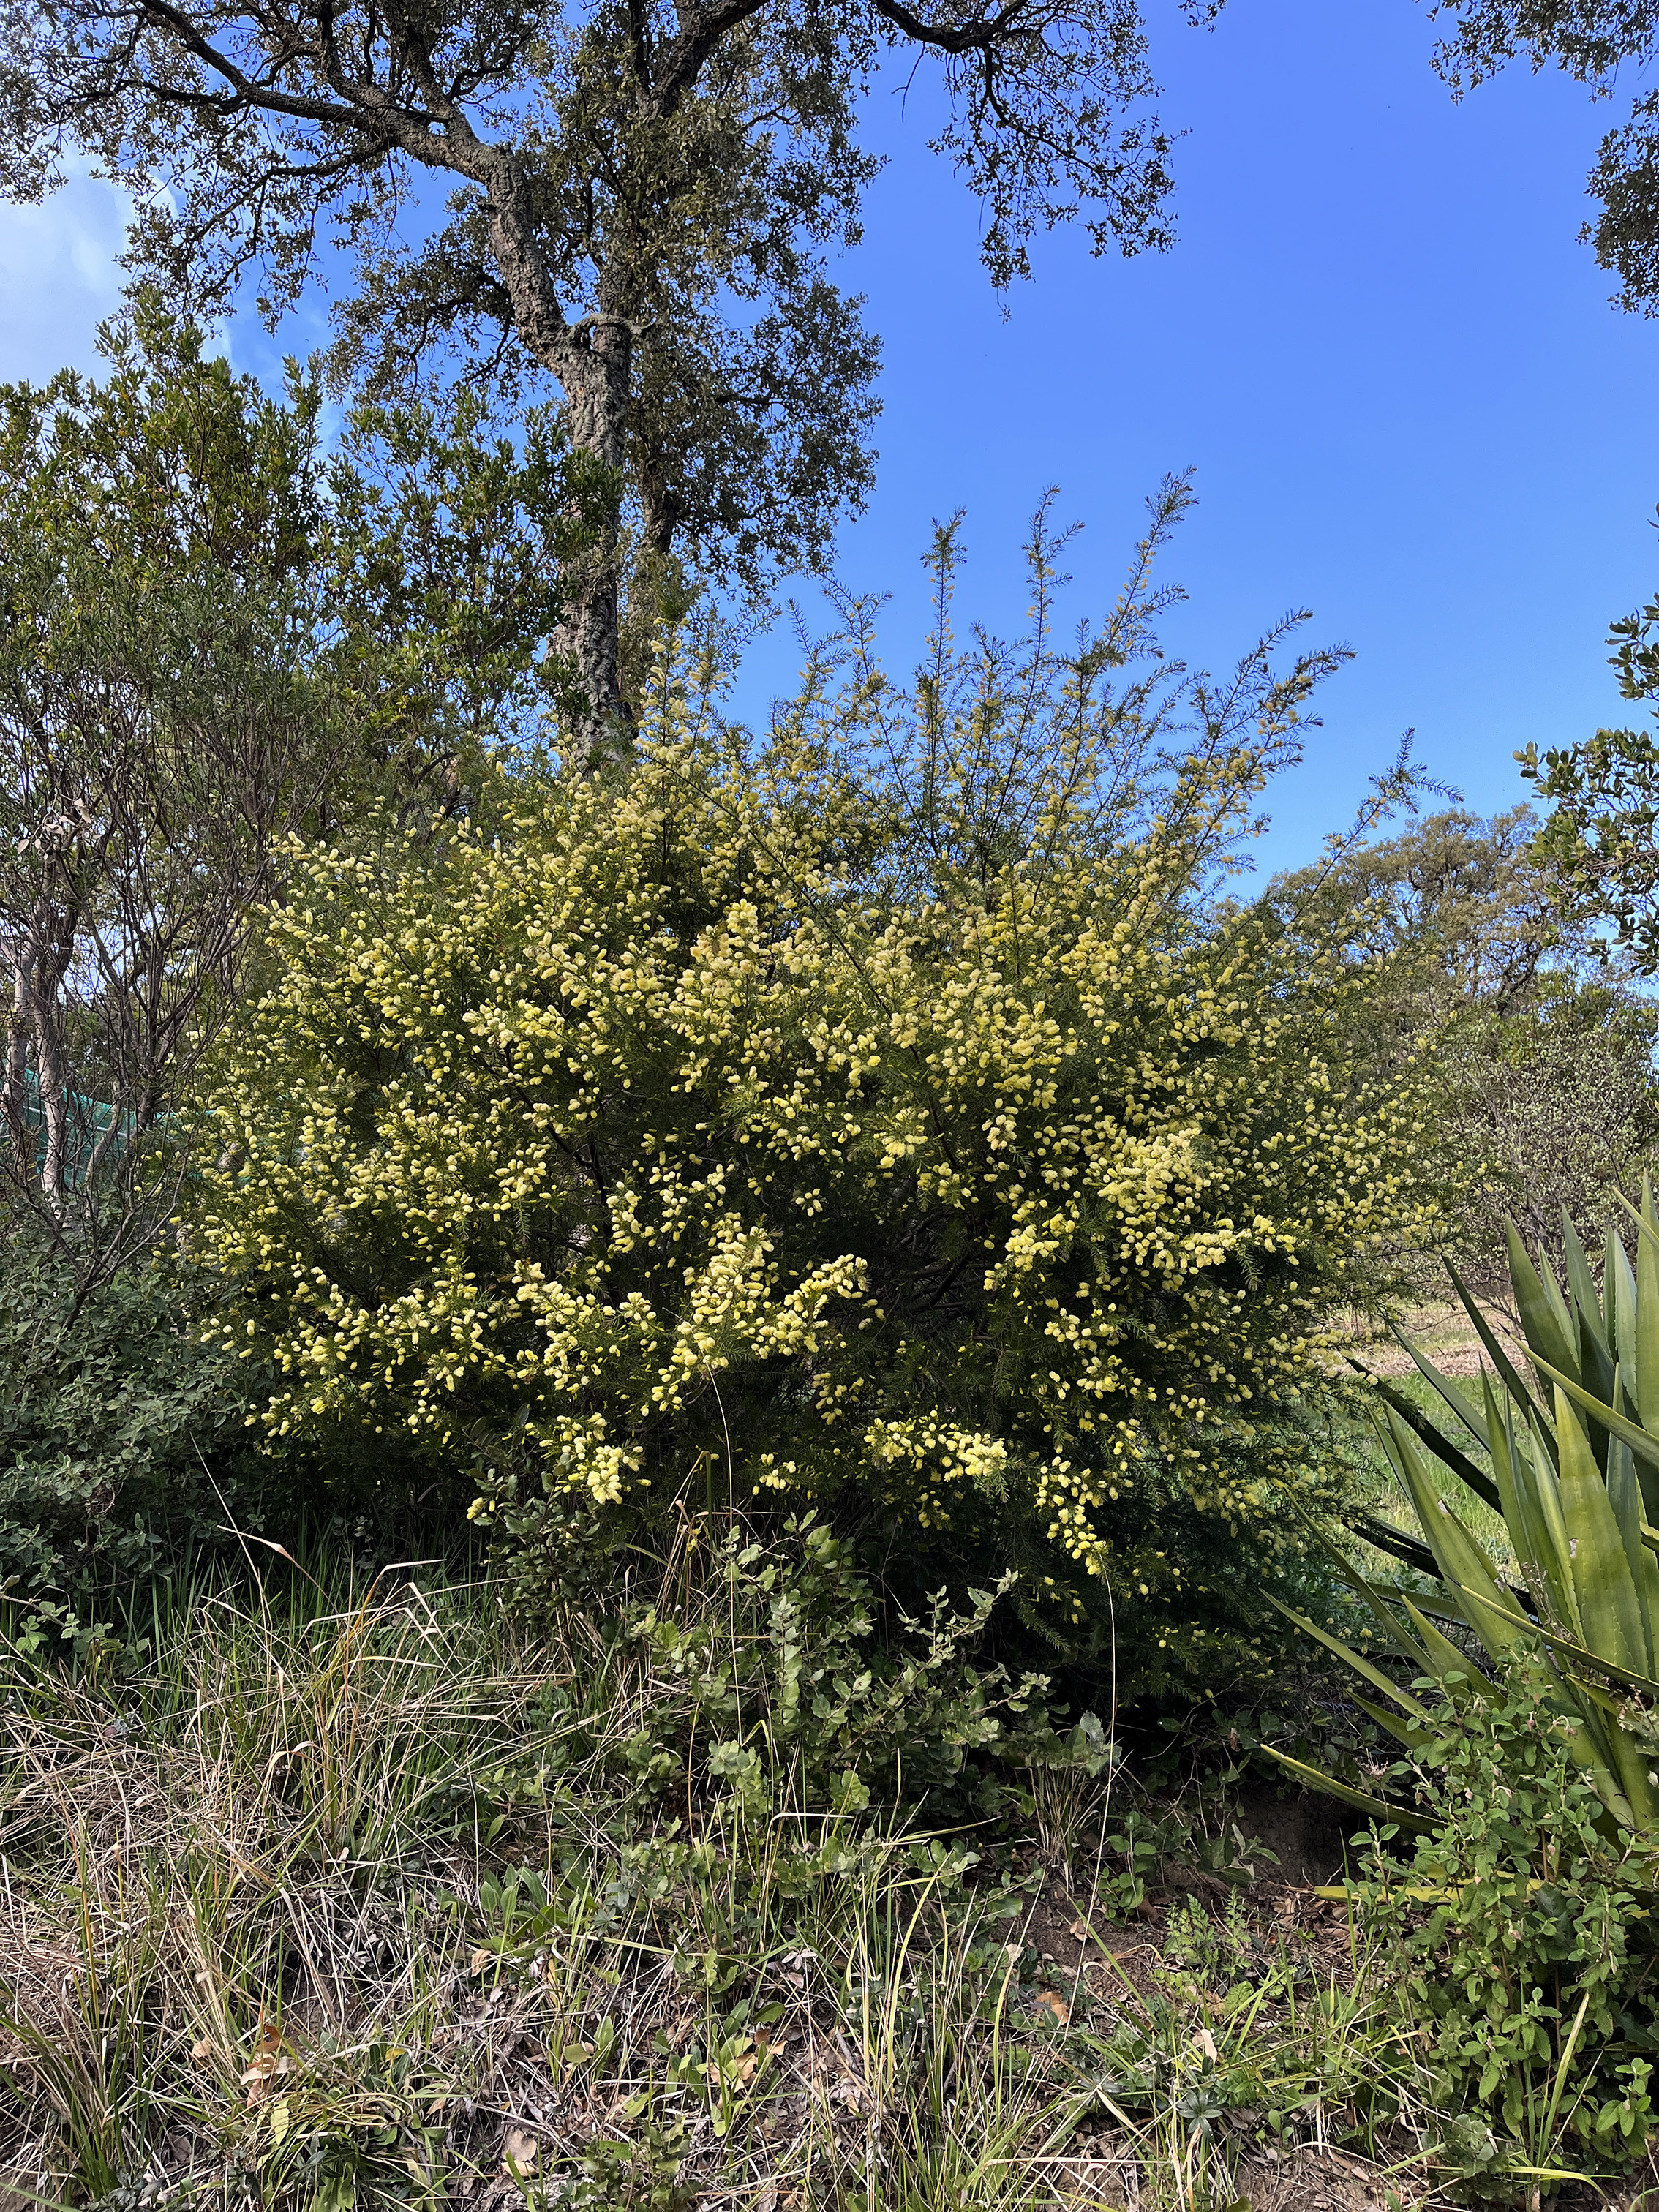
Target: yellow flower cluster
<point>653,1137</point>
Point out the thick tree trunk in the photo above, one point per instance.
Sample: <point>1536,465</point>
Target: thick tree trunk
<point>659,508</point>
<point>596,367</point>
<point>593,361</point>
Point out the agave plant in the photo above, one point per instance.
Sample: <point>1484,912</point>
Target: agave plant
<point>1570,1460</point>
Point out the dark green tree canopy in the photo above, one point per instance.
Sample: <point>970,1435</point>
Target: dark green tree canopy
<point>1602,835</point>
<point>642,198</point>
<point>1601,43</point>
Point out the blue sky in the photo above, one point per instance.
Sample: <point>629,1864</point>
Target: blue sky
<point>1408,403</point>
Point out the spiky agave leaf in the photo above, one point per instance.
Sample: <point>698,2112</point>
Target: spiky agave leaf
<point>1575,1473</point>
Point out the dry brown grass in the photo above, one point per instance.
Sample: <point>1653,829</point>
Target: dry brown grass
<point>261,1945</point>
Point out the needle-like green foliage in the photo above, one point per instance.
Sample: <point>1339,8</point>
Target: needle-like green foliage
<point>876,1115</point>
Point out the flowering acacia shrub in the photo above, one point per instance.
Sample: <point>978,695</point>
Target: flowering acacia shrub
<point>717,1127</point>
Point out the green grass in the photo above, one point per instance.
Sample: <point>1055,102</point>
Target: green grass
<point>372,1899</point>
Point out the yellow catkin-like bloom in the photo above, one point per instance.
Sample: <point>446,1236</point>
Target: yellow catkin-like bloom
<point>662,1132</point>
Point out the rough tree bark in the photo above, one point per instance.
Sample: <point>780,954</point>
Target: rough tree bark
<point>595,366</point>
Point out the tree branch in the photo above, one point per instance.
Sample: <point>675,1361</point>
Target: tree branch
<point>966,38</point>
<point>702,30</point>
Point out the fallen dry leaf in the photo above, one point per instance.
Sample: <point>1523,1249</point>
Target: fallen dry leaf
<point>268,2060</point>
<point>519,2151</point>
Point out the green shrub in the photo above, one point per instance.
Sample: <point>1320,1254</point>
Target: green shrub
<point>1542,1053</point>
<point>767,1123</point>
<point>110,1410</point>
<point>776,1690</point>
<point>1525,1929</point>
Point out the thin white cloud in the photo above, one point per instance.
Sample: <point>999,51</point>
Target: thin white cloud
<point>58,277</point>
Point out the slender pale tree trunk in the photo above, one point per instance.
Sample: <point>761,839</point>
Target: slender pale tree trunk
<point>14,1089</point>
<point>39,957</point>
